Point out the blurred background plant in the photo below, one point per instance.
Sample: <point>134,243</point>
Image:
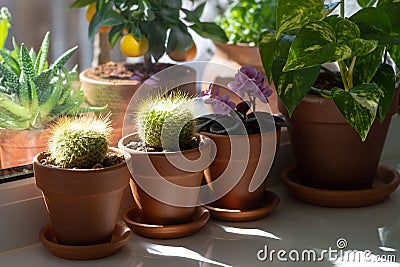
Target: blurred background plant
<point>243,21</point>
<point>5,18</point>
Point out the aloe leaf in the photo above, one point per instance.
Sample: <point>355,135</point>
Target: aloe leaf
<point>41,59</point>
<point>7,74</point>
<point>16,47</point>
<point>14,108</point>
<point>23,91</point>
<point>10,122</point>
<point>34,97</point>
<point>11,62</point>
<point>358,106</point>
<point>26,62</point>
<point>61,60</point>
<point>52,101</point>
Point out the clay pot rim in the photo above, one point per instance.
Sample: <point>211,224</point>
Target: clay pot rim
<point>118,151</point>
<point>123,140</point>
<point>84,78</point>
<point>241,45</point>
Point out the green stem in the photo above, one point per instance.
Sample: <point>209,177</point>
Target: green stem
<point>343,73</point>
<point>350,72</point>
<point>342,9</point>
<point>323,93</point>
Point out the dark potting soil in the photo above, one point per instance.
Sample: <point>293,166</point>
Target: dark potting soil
<point>141,146</point>
<point>326,81</point>
<point>110,160</point>
<point>124,71</point>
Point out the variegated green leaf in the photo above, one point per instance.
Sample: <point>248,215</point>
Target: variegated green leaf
<point>366,66</point>
<point>358,106</point>
<point>315,44</point>
<point>392,9</point>
<point>366,3</point>
<point>385,79</point>
<point>41,59</point>
<point>375,25</point>
<point>271,48</point>
<point>293,14</point>
<point>395,53</point>
<point>292,86</point>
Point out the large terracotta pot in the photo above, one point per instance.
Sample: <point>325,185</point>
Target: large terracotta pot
<point>117,93</point>
<point>83,204</point>
<point>244,54</point>
<point>18,147</point>
<point>329,153</point>
<point>239,197</point>
<point>153,169</point>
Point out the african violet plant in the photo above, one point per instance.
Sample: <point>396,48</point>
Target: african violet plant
<point>308,35</point>
<point>32,92</point>
<point>229,118</point>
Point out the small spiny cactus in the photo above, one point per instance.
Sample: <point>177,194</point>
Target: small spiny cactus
<point>79,142</point>
<point>161,120</point>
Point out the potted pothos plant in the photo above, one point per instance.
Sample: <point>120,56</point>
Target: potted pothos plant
<point>246,139</point>
<point>339,116</point>
<point>33,93</point>
<point>164,184</point>
<point>243,22</point>
<point>82,180</point>
<point>143,28</point>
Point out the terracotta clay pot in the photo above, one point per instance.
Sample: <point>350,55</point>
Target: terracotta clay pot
<point>329,153</point>
<point>117,93</point>
<point>18,147</point>
<point>240,197</point>
<point>152,169</point>
<point>83,204</point>
<point>114,93</point>
<point>243,54</point>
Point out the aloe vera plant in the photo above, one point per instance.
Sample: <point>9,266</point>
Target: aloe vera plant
<point>34,92</point>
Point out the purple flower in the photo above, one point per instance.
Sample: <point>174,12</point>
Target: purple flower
<point>250,81</point>
<point>206,94</point>
<point>220,104</point>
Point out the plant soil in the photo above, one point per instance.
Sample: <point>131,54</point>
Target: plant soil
<point>123,71</point>
<point>141,146</point>
<point>110,160</point>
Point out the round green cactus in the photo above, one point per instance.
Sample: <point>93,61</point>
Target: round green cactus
<point>166,122</point>
<point>79,142</point>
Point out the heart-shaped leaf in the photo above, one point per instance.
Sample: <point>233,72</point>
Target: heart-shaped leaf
<point>293,14</point>
<point>292,86</point>
<point>384,78</point>
<point>358,106</point>
<point>395,54</point>
<point>366,66</point>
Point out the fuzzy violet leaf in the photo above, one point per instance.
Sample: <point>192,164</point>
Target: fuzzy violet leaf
<point>358,106</point>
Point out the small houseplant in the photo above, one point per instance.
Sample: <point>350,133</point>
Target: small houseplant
<point>246,140</point>
<point>359,98</point>
<point>82,180</point>
<point>33,93</point>
<point>144,28</point>
<point>243,22</point>
<point>165,187</point>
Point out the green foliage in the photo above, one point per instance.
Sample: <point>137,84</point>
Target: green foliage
<point>166,122</point>
<point>79,142</point>
<point>32,93</point>
<point>244,21</point>
<point>5,18</point>
<point>154,19</point>
<point>308,37</point>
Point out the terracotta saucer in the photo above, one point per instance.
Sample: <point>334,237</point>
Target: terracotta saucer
<point>132,218</point>
<point>119,238</point>
<point>270,201</point>
<point>386,181</point>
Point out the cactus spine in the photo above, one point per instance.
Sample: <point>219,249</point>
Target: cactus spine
<point>79,142</point>
<point>166,122</point>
